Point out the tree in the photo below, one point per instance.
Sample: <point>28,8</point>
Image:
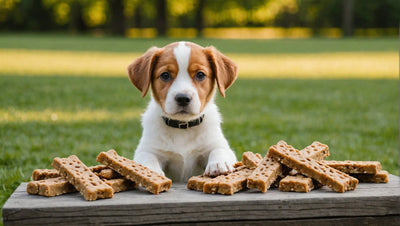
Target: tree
<point>348,13</point>
<point>161,17</point>
<point>199,22</point>
<point>117,17</point>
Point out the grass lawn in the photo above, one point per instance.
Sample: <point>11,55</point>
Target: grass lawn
<point>42,117</point>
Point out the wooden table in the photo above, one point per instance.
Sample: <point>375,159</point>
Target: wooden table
<point>368,204</point>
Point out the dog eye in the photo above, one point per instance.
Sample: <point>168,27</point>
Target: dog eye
<point>165,77</point>
<point>200,76</point>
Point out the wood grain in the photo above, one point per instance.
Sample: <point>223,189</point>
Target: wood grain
<point>369,203</point>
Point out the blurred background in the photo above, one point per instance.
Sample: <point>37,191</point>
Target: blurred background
<point>308,70</point>
<point>204,18</point>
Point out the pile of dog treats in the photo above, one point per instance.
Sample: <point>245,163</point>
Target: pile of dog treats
<point>291,170</point>
<point>117,174</point>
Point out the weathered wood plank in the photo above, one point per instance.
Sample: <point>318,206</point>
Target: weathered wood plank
<point>370,203</point>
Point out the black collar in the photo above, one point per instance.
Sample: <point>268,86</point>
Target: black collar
<point>183,124</point>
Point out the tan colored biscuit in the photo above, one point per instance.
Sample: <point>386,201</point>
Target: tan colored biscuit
<point>298,183</point>
<point>197,182</point>
<point>121,184</point>
<point>108,174</point>
<point>152,181</point>
<point>97,168</point>
<point>234,182</point>
<point>251,160</point>
<point>50,187</point>
<point>336,180</point>
<point>227,184</point>
<point>265,174</point>
<point>83,179</point>
<point>42,174</point>
<point>368,167</point>
<point>316,150</point>
<point>381,177</point>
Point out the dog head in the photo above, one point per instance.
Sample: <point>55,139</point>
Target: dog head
<point>182,77</point>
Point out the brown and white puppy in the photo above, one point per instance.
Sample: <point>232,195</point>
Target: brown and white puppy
<point>182,133</point>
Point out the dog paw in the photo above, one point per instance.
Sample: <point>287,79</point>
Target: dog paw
<point>218,168</point>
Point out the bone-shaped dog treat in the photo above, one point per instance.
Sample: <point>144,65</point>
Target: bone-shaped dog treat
<point>251,160</point>
<point>265,174</point>
<point>121,184</point>
<point>228,184</point>
<point>83,179</point>
<point>197,182</point>
<point>108,174</point>
<point>152,181</point>
<point>380,177</point>
<point>336,180</point>
<point>42,174</point>
<point>298,183</point>
<point>50,187</point>
<point>368,167</point>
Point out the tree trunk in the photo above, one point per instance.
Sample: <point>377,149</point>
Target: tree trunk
<point>117,17</point>
<point>348,13</point>
<point>161,19</point>
<point>199,22</point>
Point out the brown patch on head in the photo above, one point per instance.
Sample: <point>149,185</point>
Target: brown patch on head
<point>166,63</point>
<point>198,63</point>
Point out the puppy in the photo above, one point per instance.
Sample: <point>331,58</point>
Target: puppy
<point>182,133</point>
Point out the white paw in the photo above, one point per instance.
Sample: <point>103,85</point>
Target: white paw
<point>214,169</point>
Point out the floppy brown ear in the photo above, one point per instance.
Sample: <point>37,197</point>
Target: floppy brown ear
<point>225,70</point>
<point>141,69</point>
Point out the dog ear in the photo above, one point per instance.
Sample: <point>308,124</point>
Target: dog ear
<point>225,70</point>
<point>141,70</point>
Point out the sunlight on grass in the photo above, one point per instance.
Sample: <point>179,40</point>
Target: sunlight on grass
<point>306,65</point>
<point>49,115</point>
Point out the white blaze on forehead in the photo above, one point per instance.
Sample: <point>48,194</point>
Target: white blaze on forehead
<point>183,83</point>
<point>182,55</point>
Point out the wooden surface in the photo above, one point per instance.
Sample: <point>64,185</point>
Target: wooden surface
<point>368,204</point>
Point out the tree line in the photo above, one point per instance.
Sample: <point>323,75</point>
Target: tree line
<point>115,16</point>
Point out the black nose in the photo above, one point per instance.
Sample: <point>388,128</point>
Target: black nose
<point>182,99</point>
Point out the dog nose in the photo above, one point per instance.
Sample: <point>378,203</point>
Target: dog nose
<point>183,99</point>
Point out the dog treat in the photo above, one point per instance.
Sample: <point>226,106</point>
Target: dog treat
<point>368,167</point>
<point>251,160</point>
<point>316,151</point>
<point>264,175</point>
<point>234,182</point>
<point>121,184</point>
<point>197,182</point>
<point>83,179</point>
<point>98,168</point>
<point>152,181</point>
<point>108,174</point>
<point>42,174</point>
<point>336,180</point>
<point>50,187</point>
<point>228,184</point>
<point>381,177</point>
<point>298,183</point>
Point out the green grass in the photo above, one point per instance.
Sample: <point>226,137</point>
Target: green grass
<point>42,117</point>
<point>112,44</point>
